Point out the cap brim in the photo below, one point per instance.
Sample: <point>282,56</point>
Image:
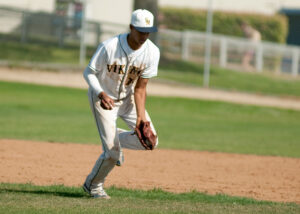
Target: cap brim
<point>146,29</point>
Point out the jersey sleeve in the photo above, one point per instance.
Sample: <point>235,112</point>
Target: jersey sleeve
<point>92,80</point>
<point>98,61</point>
<point>152,69</point>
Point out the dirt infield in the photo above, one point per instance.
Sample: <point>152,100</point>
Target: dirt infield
<point>259,177</point>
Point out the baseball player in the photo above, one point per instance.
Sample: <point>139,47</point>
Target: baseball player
<point>117,76</point>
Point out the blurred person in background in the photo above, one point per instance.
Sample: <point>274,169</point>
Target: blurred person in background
<point>254,36</point>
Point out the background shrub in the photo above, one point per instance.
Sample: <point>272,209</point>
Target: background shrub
<point>273,28</point>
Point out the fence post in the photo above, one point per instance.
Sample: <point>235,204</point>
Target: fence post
<point>82,51</point>
<point>98,34</point>
<point>24,29</point>
<point>295,61</point>
<point>259,57</point>
<point>223,52</point>
<point>61,32</point>
<point>185,45</point>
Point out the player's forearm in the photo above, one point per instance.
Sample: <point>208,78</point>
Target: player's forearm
<point>140,100</point>
<point>92,80</point>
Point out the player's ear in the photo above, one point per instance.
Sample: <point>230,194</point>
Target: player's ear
<point>131,27</point>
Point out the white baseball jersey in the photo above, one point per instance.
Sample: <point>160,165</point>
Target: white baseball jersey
<point>117,66</point>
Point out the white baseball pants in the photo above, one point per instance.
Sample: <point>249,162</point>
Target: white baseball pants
<point>113,139</point>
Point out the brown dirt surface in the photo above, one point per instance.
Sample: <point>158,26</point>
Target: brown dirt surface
<point>259,177</point>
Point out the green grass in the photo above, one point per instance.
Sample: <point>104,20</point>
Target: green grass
<point>63,115</point>
<point>190,73</point>
<point>40,51</point>
<point>26,198</point>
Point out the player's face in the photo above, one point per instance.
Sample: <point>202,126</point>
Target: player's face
<point>138,37</point>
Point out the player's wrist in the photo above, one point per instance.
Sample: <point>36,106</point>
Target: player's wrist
<point>141,119</point>
<point>101,95</point>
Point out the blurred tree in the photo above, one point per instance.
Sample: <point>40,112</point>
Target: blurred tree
<point>152,6</point>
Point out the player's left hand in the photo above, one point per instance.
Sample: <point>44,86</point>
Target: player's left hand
<point>106,102</point>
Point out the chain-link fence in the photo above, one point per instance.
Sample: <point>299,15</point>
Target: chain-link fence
<point>28,26</point>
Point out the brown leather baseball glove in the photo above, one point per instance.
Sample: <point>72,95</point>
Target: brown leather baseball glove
<point>146,135</point>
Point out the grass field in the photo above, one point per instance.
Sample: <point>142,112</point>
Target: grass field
<point>26,198</point>
<point>179,71</point>
<point>40,51</point>
<point>259,83</point>
<point>63,115</point>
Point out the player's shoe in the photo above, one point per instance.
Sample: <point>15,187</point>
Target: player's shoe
<point>118,163</point>
<point>121,160</point>
<point>100,194</point>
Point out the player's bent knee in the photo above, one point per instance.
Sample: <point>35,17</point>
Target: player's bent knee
<point>156,144</point>
<point>114,153</point>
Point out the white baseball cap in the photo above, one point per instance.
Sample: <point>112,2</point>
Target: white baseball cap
<point>142,21</point>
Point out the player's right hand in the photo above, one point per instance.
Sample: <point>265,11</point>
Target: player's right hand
<point>106,102</point>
